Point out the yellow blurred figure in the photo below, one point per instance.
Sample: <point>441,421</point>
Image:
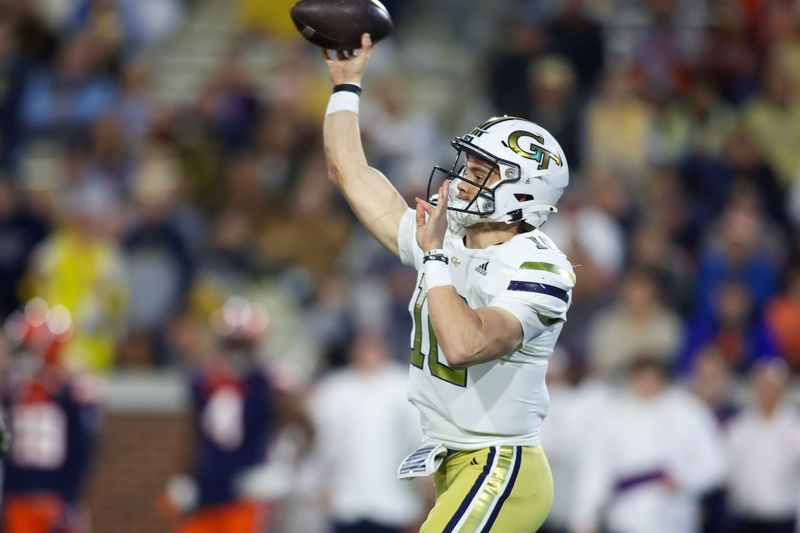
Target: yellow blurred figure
<point>270,17</point>
<point>80,267</point>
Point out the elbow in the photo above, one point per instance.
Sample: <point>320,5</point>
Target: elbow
<point>334,172</point>
<point>458,358</point>
<point>334,176</point>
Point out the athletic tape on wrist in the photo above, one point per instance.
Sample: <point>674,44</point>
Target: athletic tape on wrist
<point>437,274</point>
<point>344,98</point>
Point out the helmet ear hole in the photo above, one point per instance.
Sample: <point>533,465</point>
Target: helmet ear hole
<point>523,197</point>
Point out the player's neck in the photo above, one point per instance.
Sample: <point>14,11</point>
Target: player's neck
<point>485,234</point>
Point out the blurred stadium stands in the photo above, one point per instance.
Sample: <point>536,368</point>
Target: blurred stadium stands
<point>159,156</point>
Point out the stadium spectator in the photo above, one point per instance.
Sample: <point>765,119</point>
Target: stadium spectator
<point>401,138</point>
<point>269,18</point>
<point>232,105</point>
<point>733,328</point>
<point>312,209</point>
<point>741,246</point>
<point>783,316</point>
<point>14,70</point>
<point>574,35</point>
<point>711,120</point>
<point>587,229</point>
<point>713,382</point>
<point>616,107</point>
<point>508,65</point>
<point>613,196</point>
<point>662,49</point>
<point>552,103</point>
<point>136,109</point>
<point>650,248</point>
<point>159,263</point>
<point>764,446</point>
<point>668,138</point>
<point>81,267</point>
<point>784,35</point>
<point>569,423</point>
<point>329,321</point>
<point>106,159</point>
<point>639,322</point>
<point>21,230</point>
<point>593,239</point>
<point>773,119</point>
<point>37,39</point>
<point>279,147</point>
<point>364,428</point>
<point>715,181</point>
<point>637,477</point>
<point>728,56</point>
<point>153,21</point>
<point>67,99</point>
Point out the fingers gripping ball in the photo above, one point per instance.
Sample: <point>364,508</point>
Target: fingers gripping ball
<point>339,24</point>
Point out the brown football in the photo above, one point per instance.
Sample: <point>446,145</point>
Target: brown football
<point>339,24</point>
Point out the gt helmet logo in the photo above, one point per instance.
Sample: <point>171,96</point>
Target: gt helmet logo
<point>536,152</point>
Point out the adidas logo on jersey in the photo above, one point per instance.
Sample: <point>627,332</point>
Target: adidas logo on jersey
<point>481,269</point>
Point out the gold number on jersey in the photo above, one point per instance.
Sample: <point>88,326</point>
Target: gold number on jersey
<point>539,242</point>
<point>417,357</point>
<point>439,370</point>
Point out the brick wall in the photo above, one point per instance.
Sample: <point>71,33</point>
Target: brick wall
<point>137,454</point>
<point>144,440</point>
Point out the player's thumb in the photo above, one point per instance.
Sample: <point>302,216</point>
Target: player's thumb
<point>420,213</point>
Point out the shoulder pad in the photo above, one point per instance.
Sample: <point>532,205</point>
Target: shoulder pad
<point>534,257</point>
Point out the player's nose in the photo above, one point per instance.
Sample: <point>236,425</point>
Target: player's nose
<point>464,188</point>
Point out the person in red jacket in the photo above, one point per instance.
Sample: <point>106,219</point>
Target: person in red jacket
<point>54,416</point>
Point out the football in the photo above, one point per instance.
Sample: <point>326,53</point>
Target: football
<point>339,24</point>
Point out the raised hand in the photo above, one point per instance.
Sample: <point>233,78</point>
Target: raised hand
<point>432,221</point>
<point>348,65</point>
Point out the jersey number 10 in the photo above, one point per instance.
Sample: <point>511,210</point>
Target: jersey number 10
<point>439,370</point>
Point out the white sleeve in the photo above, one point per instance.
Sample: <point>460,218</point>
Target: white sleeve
<point>594,472</point>
<point>410,252</point>
<point>701,464</point>
<point>539,299</point>
<point>532,323</point>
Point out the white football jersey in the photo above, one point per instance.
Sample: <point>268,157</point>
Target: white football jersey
<point>501,402</point>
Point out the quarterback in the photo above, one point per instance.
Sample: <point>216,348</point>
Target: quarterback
<point>491,299</point>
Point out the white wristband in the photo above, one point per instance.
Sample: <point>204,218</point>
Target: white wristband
<point>343,101</point>
<point>437,274</point>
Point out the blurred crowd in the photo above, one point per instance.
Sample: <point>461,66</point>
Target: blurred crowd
<point>137,217</point>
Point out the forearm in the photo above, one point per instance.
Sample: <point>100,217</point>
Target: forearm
<point>471,336</point>
<point>343,149</point>
<point>459,329</point>
<point>371,196</point>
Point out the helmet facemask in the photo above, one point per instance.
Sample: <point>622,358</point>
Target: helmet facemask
<point>481,208</point>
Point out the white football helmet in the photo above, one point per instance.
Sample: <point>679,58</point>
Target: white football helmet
<point>533,174</point>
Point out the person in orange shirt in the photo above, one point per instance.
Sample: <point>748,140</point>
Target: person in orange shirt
<point>783,316</point>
